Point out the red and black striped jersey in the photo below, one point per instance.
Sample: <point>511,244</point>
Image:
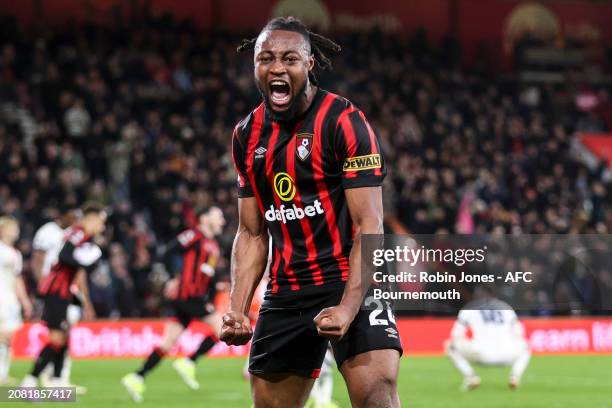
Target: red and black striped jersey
<point>77,252</point>
<point>200,257</point>
<point>298,172</point>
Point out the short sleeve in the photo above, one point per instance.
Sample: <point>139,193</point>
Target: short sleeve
<point>18,263</point>
<point>239,159</point>
<point>359,152</point>
<point>187,238</point>
<point>87,254</point>
<point>77,237</point>
<point>40,241</point>
<point>463,317</point>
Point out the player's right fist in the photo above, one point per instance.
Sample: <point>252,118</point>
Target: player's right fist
<point>236,329</point>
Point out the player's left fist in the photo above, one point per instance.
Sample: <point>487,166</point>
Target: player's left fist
<point>333,322</point>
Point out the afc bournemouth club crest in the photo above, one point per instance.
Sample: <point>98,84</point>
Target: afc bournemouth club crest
<point>303,145</point>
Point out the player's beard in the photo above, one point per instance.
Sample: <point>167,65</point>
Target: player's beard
<point>291,112</point>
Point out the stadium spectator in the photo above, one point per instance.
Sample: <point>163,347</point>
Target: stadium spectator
<point>142,114</point>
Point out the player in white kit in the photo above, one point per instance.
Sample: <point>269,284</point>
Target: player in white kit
<point>497,338</point>
<point>48,241</point>
<point>13,295</point>
<point>46,245</point>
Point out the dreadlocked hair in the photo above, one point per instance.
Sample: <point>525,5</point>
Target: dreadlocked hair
<point>319,44</point>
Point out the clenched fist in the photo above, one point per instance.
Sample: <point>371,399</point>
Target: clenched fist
<point>333,322</point>
<point>236,329</point>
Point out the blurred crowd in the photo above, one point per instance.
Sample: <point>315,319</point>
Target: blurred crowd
<point>139,117</point>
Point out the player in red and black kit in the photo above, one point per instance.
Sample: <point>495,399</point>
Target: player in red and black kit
<point>192,294</point>
<point>77,253</point>
<point>310,171</point>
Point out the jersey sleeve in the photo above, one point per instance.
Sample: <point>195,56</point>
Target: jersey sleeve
<point>87,254</point>
<point>358,151</point>
<point>83,255</point>
<point>41,241</point>
<point>464,317</point>
<point>458,330</point>
<point>18,263</point>
<point>239,159</point>
<point>517,329</point>
<point>185,239</point>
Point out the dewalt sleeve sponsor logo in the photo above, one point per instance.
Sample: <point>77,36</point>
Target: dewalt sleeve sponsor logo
<point>358,163</point>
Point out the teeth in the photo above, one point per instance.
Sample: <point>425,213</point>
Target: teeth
<point>278,83</point>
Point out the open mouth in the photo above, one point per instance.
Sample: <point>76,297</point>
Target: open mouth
<point>280,93</point>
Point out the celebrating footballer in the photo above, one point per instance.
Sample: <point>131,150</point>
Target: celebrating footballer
<point>309,173</point>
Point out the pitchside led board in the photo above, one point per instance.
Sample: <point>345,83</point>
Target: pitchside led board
<point>137,338</point>
<point>536,275</point>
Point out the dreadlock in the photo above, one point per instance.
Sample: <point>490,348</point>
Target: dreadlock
<point>319,44</point>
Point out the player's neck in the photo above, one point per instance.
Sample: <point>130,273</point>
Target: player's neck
<point>309,95</point>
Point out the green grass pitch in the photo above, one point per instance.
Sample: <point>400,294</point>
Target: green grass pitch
<point>550,381</point>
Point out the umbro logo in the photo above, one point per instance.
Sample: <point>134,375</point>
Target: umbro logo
<point>259,152</point>
<point>391,332</point>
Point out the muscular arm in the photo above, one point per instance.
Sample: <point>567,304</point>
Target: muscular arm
<point>249,255</point>
<point>248,262</point>
<point>365,207</point>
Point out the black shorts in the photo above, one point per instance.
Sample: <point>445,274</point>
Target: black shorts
<point>191,309</point>
<point>286,339</point>
<point>54,313</point>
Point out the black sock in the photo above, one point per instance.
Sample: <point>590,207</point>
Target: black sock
<point>58,361</point>
<point>151,361</point>
<point>205,346</point>
<point>45,356</point>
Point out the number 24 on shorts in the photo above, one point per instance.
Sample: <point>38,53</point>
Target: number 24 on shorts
<point>374,314</point>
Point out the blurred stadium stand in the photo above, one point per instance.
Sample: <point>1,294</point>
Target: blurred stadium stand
<point>134,108</point>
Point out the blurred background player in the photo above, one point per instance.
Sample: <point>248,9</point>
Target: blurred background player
<point>48,241</point>
<point>488,332</point>
<point>12,293</point>
<point>191,293</point>
<point>77,253</point>
<point>46,245</point>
